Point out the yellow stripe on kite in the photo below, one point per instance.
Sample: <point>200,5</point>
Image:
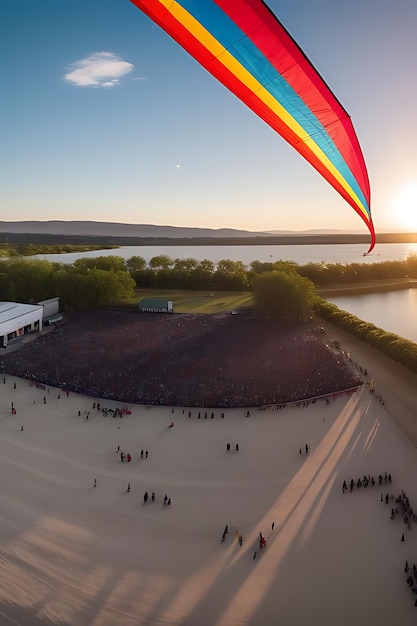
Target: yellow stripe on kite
<point>228,61</point>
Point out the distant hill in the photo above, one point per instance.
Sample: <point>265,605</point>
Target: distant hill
<point>113,229</point>
<point>112,233</point>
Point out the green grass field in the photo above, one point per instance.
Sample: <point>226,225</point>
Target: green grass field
<point>197,301</point>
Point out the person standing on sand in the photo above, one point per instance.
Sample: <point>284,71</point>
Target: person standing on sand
<point>95,482</point>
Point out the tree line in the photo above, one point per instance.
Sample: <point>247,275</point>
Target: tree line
<point>280,287</point>
<point>165,272</point>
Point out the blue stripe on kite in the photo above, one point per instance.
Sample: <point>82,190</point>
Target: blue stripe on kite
<point>216,22</point>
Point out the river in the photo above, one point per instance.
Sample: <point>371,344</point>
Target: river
<point>394,311</point>
<point>335,253</point>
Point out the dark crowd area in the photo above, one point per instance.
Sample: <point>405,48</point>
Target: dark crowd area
<point>197,360</point>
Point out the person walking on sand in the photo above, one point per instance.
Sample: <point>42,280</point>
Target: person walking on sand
<point>254,555</point>
<point>128,487</point>
<point>145,497</point>
<point>273,525</point>
<point>95,482</point>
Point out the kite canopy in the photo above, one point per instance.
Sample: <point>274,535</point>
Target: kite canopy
<point>244,46</point>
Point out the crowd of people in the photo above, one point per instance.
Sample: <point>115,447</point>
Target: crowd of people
<point>404,510</point>
<point>185,360</point>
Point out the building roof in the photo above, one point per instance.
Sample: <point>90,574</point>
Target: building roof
<point>11,310</point>
<point>154,303</point>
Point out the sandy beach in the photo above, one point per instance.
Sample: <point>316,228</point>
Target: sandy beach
<point>75,554</point>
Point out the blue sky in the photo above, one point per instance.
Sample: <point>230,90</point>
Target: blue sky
<point>103,117</point>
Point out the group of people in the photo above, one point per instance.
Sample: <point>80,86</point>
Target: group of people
<point>144,454</point>
<point>146,497</point>
<point>404,510</point>
<point>366,481</point>
<point>204,360</point>
<point>411,573</point>
<point>238,535</point>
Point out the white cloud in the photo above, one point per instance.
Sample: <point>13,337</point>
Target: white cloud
<point>100,69</point>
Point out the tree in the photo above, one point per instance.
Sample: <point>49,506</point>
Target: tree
<point>91,290</point>
<point>135,264</point>
<point>283,294</point>
<point>230,275</point>
<point>161,262</point>
<point>27,280</point>
<point>203,275</point>
<point>109,263</point>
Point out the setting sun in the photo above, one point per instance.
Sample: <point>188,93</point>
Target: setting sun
<point>405,203</point>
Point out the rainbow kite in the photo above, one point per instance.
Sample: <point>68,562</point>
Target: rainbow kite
<point>244,46</point>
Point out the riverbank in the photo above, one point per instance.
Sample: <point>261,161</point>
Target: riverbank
<point>396,384</point>
<point>368,287</point>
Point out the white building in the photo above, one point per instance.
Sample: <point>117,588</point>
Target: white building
<point>18,319</point>
<point>51,313</point>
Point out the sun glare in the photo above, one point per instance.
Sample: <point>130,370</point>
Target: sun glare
<point>406,207</point>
